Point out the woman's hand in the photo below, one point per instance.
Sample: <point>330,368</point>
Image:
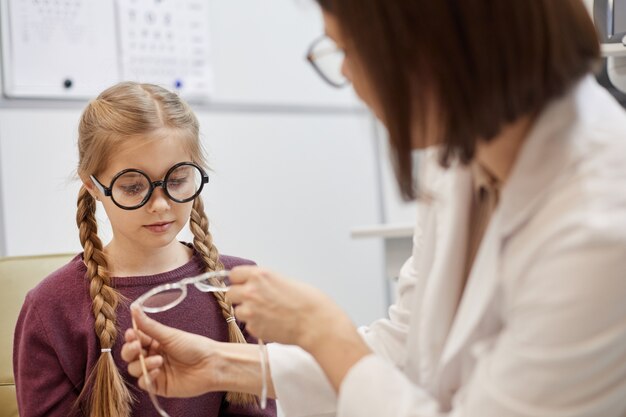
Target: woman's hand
<point>290,312</point>
<point>281,310</point>
<point>275,309</point>
<point>180,364</point>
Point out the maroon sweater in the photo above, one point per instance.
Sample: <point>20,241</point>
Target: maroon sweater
<point>55,345</point>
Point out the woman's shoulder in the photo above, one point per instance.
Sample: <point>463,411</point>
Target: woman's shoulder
<point>230,262</point>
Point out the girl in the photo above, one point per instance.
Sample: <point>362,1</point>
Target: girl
<point>141,157</point>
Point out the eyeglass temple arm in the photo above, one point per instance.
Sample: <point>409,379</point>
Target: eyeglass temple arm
<point>104,190</point>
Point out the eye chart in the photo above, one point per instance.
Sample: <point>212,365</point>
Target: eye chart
<point>55,49</point>
<point>166,42</point>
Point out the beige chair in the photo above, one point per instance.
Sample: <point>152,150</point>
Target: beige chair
<point>18,274</point>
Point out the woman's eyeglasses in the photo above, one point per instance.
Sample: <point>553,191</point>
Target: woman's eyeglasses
<point>167,296</point>
<point>131,188</point>
<point>327,59</point>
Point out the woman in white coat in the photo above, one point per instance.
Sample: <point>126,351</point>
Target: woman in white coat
<point>514,300</point>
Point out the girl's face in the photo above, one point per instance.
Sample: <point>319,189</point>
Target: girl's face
<point>158,222</point>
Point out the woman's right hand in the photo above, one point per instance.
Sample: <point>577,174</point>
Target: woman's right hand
<point>179,363</point>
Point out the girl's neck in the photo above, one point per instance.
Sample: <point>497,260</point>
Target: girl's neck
<point>129,262</point>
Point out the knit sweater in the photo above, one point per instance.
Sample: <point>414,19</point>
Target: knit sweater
<point>55,345</point>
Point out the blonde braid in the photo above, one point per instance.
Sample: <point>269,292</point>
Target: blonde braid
<point>108,395</point>
<point>203,242</point>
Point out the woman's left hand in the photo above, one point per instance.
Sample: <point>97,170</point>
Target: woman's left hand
<point>282,310</point>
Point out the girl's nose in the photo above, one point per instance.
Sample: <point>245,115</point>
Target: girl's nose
<point>159,201</point>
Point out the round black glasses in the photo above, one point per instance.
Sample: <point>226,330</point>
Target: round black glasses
<point>131,188</point>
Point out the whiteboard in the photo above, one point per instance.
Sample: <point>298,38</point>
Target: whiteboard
<point>77,48</point>
<point>235,53</point>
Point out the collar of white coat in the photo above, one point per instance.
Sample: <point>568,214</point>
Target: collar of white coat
<point>549,148</point>
<point>547,151</point>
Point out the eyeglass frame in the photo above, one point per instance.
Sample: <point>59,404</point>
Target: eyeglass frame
<point>310,57</point>
<point>182,285</point>
<point>108,191</point>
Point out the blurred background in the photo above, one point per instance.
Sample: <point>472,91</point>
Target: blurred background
<point>300,180</point>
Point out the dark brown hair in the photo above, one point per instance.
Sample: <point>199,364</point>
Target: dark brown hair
<point>475,65</point>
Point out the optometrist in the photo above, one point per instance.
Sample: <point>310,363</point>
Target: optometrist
<point>514,300</point>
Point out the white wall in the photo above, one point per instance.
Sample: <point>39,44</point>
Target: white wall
<point>259,54</point>
<point>295,161</point>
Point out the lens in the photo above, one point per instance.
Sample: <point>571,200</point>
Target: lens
<point>328,59</point>
<point>184,182</point>
<point>163,300</point>
<point>130,189</point>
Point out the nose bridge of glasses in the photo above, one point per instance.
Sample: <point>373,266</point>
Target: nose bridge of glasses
<point>159,184</point>
<point>154,189</point>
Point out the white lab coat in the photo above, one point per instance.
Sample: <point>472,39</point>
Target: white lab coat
<point>541,328</point>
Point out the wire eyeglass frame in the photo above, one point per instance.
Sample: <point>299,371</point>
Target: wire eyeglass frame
<point>314,56</point>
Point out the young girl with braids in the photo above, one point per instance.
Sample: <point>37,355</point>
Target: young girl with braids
<point>140,156</point>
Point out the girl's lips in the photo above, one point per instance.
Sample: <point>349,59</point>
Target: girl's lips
<point>158,227</point>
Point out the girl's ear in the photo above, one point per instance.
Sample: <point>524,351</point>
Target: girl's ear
<point>91,188</point>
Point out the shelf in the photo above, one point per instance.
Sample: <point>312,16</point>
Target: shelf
<point>613,49</point>
<point>383,230</point>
